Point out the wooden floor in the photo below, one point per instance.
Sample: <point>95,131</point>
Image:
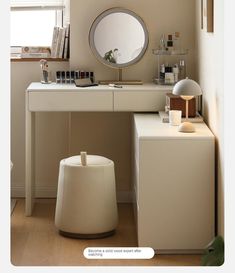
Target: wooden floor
<point>35,241</point>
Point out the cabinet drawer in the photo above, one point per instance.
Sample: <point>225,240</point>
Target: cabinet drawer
<point>70,101</point>
<point>140,101</point>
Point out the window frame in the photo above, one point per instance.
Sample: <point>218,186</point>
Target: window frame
<point>59,20</point>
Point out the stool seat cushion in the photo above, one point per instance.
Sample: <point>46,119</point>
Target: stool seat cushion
<point>92,160</point>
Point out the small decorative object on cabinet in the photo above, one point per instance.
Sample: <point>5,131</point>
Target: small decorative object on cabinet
<point>173,185</point>
<point>45,73</point>
<point>174,102</point>
<point>187,89</point>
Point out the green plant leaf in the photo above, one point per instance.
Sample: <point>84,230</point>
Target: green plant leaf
<point>214,253</point>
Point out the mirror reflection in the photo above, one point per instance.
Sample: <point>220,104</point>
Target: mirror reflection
<point>118,37</point>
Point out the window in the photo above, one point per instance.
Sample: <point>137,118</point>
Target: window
<point>32,21</point>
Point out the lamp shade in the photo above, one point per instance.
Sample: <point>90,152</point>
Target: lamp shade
<point>187,87</point>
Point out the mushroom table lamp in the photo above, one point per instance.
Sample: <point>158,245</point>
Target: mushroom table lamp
<point>187,89</point>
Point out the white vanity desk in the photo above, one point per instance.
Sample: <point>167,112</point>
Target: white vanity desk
<point>54,97</point>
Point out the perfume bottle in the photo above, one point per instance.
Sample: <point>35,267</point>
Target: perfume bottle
<point>182,70</point>
<point>92,76</point>
<point>176,73</point>
<point>170,42</point>
<point>162,73</point>
<point>169,76</point>
<point>162,45</point>
<point>176,40</point>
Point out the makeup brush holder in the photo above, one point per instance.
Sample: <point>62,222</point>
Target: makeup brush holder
<point>46,77</point>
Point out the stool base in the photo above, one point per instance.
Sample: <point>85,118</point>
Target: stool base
<point>87,236</point>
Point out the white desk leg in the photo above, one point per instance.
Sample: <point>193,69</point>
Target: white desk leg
<point>29,159</point>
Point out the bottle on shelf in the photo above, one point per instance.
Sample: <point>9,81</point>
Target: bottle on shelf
<point>182,70</point>
<point>170,43</point>
<point>176,41</point>
<point>162,73</point>
<point>169,76</point>
<point>176,73</point>
<point>162,45</point>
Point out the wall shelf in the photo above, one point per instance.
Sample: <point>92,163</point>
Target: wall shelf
<point>167,52</point>
<point>17,59</point>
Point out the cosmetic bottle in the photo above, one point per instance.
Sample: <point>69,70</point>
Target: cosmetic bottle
<point>58,77</point>
<point>92,76</point>
<point>162,45</point>
<point>62,76</point>
<point>169,78</point>
<point>182,70</point>
<point>77,75</point>
<point>72,76</point>
<point>87,74</point>
<point>162,73</point>
<point>168,68</point>
<point>176,73</point>
<point>170,42</point>
<point>176,41</point>
<point>82,74</point>
<point>67,77</point>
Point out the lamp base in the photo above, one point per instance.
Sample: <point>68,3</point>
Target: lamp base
<point>186,127</point>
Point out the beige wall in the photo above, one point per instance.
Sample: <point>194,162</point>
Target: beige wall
<point>210,76</point>
<point>159,16</point>
<point>107,134</point>
<point>51,142</point>
<point>113,138</point>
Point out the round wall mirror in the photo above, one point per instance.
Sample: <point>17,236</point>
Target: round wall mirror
<point>118,37</point>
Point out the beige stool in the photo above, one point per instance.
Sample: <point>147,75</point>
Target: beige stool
<point>86,205</point>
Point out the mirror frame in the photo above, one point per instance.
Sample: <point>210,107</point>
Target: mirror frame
<point>92,32</point>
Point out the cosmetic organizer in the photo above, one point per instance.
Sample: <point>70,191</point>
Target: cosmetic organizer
<point>171,66</point>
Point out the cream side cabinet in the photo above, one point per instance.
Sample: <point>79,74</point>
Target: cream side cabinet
<point>173,185</point>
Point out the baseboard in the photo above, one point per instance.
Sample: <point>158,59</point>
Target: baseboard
<point>51,191</point>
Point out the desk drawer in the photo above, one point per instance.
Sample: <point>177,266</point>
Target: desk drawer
<point>70,101</point>
<point>139,101</point>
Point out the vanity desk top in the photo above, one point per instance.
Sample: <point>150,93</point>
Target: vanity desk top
<point>147,97</point>
<point>37,86</point>
<point>150,127</point>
